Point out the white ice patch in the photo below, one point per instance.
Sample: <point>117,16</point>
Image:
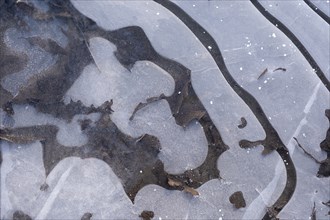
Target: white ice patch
<point>73,180</point>
<point>22,174</point>
<point>89,180</point>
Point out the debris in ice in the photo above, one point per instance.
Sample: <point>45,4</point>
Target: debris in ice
<point>174,183</point>
<point>147,215</point>
<point>87,216</point>
<point>191,190</point>
<point>313,215</point>
<point>279,68</point>
<point>44,187</point>
<point>228,55</point>
<point>263,73</point>
<point>21,215</point>
<point>306,152</point>
<point>177,184</point>
<point>237,199</point>
<point>243,123</point>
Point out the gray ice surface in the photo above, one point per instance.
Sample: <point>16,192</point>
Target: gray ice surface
<point>323,5</point>
<point>307,26</point>
<point>294,102</point>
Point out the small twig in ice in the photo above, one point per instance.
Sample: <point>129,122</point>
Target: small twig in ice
<point>263,73</point>
<point>313,215</point>
<point>140,138</point>
<point>280,68</point>
<point>310,155</point>
<point>191,190</point>
<point>326,203</point>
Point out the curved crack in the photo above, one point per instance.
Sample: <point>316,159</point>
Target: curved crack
<point>272,140</point>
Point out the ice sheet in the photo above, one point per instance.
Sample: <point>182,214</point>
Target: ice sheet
<point>293,100</point>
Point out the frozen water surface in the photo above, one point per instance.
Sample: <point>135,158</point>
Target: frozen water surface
<point>223,104</point>
<point>298,17</point>
<point>322,5</point>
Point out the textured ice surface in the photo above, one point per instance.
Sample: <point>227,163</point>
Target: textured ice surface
<point>293,100</point>
<point>38,59</point>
